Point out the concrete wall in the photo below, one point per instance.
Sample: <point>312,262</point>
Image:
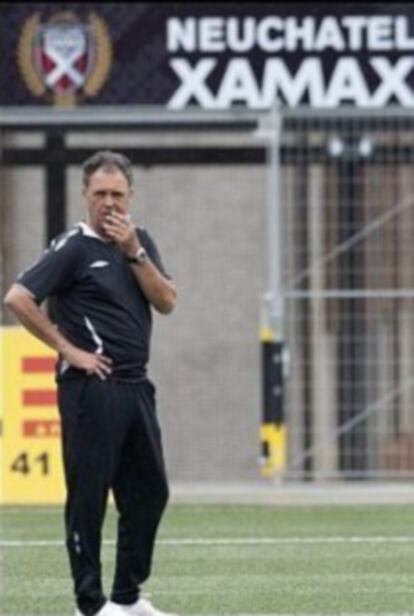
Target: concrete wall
<point>23,223</point>
<point>209,225</point>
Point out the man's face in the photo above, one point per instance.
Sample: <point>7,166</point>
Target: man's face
<point>107,191</point>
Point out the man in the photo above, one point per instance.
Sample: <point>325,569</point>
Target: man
<point>104,275</point>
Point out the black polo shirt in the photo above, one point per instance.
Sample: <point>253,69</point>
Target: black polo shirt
<point>99,305</point>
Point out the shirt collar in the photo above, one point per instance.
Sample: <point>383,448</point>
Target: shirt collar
<point>89,232</point>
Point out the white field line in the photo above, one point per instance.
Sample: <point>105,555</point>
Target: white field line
<point>267,614</point>
<point>16,543</point>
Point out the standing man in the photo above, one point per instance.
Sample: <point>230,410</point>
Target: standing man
<point>105,276</point>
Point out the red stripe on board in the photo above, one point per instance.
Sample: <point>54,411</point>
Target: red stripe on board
<point>38,364</point>
<point>39,397</point>
<point>41,428</point>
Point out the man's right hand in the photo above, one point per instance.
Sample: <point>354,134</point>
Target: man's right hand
<point>90,362</point>
<point>24,306</point>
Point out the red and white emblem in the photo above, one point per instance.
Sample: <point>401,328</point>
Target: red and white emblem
<point>65,57</point>
<point>62,55</point>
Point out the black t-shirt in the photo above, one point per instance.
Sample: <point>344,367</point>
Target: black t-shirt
<point>99,305</point>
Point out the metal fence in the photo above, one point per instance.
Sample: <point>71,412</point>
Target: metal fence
<point>348,272</point>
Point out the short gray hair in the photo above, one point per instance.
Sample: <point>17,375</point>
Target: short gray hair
<point>109,161</point>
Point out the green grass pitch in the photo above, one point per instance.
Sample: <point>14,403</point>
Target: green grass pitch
<point>224,560</point>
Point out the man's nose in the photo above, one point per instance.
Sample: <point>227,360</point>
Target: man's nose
<point>108,200</point>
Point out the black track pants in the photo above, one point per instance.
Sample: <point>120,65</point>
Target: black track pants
<point>111,440</point>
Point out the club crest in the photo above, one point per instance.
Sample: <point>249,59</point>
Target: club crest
<point>63,59</point>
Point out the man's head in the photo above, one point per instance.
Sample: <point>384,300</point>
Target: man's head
<point>107,187</point>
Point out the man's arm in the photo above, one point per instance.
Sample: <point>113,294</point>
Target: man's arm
<point>22,304</point>
<point>159,290</point>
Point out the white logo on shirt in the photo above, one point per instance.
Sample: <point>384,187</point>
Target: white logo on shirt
<point>99,264</point>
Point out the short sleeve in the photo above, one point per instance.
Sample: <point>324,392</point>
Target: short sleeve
<point>55,270</point>
<point>152,250</point>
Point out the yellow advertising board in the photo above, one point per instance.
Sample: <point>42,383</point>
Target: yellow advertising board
<point>31,463</point>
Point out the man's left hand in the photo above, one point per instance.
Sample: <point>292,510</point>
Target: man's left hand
<point>121,230</point>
